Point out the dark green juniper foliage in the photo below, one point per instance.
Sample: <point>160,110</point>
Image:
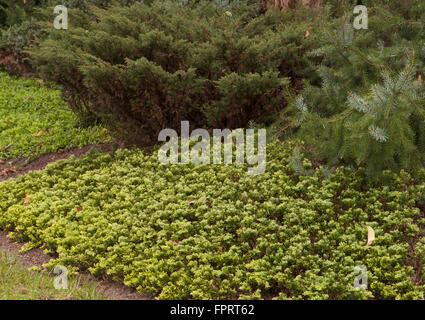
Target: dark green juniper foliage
<point>11,12</point>
<point>366,108</point>
<point>144,68</point>
<point>14,12</point>
<point>20,24</point>
<point>18,29</point>
<point>84,4</point>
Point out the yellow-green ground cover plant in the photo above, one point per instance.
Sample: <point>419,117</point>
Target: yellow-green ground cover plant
<point>35,120</point>
<point>212,231</point>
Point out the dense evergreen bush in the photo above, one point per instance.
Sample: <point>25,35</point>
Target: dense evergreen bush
<point>20,26</point>
<point>144,68</point>
<point>364,105</point>
<point>14,12</point>
<point>18,29</point>
<point>11,12</point>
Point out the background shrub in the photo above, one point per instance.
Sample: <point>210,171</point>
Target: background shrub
<point>142,69</point>
<point>364,104</point>
<point>18,29</point>
<point>20,26</point>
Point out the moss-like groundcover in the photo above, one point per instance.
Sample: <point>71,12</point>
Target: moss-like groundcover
<point>212,231</point>
<point>35,120</point>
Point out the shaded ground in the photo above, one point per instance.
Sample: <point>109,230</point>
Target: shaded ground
<point>13,168</point>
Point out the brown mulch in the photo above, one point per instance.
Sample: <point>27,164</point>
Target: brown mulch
<point>13,168</point>
<point>36,257</point>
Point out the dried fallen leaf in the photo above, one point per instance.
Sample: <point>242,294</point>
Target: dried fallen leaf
<point>6,171</point>
<point>370,235</point>
<point>6,147</point>
<point>41,133</point>
<point>420,78</point>
<point>307,34</point>
<point>26,199</point>
<point>79,209</point>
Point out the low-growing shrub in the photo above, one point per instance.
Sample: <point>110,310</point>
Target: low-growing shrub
<point>18,29</point>
<point>142,69</point>
<point>214,232</point>
<point>20,26</point>
<point>17,38</point>
<point>12,12</point>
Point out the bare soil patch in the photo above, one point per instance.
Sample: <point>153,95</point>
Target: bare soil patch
<point>13,168</point>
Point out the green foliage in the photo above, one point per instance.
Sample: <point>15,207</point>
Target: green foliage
<point>212,231</point>
<point>18,29</point>
<point>366,107</point>
<point>34,120</point>
<point>142,69</point>
<point>14,12</point>
<point>19,283</point>
<point>84,4</point>
<point>20,26</point>
<point>18,37</point>
<point>11,12</point>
